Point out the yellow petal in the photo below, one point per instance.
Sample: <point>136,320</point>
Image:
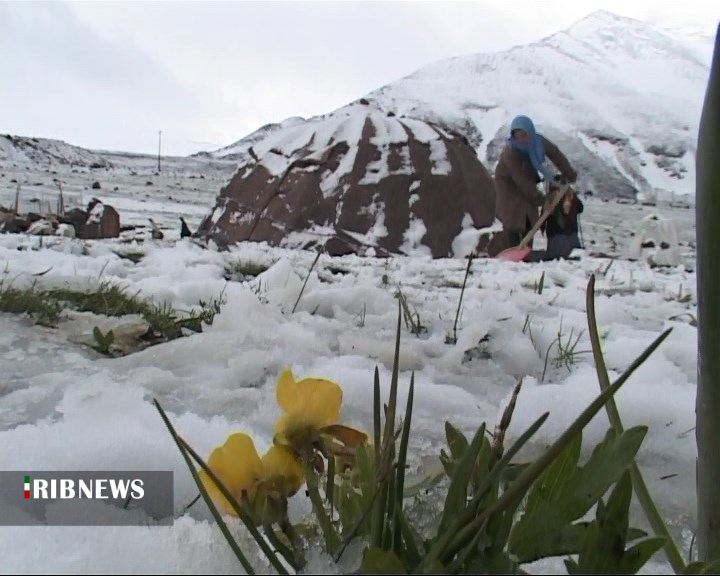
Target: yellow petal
<point>319,401</point>
<point>286,392</point>
<point>236,464</point>
<point>215,494</point>
<point>279,461</point>
<point>281,427</point>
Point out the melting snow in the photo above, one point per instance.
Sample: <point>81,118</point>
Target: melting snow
<point>96,214</point>
<point>65,407</point>
<point>412,246</point>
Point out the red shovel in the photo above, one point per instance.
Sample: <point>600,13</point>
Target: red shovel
<point>520,252</point>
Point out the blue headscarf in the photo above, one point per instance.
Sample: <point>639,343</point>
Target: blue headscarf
<point>534,149</point>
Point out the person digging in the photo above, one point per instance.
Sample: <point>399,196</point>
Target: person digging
<point>522,166</point>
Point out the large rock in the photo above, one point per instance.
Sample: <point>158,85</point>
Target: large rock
<point>102,221</point>
<point>356,178</point>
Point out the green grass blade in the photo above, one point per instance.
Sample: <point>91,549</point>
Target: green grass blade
<point>526,478</point>
<point>312,267</point>
<point>409,538</point>
<point>387,449</point>
<point>641,490</point>
<point>330,484</point>
<point>456,499</point>
<point>451,541</point>
<point>377,415</point>
<point>402,461</point>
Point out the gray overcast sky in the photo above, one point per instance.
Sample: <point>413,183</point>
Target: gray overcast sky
<point>109,75</point>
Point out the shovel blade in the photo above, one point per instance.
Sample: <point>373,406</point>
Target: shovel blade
<point>516,254</point>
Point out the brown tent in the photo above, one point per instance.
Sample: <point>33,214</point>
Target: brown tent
<point>355,178</point>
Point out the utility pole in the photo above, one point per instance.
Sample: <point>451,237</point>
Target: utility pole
<point>159,142</point>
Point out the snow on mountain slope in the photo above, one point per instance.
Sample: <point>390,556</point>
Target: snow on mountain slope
<point>238,149</point>
<point>47,151</point>
<point>621,97</point>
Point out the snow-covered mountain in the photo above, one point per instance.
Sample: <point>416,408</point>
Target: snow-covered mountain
<point>621,97</point>
<point>237,150</point>
<point>47,151</point>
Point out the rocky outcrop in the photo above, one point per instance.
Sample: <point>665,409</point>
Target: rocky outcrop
<point>353,179</point>
<point>99,221</point>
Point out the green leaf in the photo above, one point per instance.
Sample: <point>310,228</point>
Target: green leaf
<point>607,463</point>
<point>564,494</point>
<point>635,534</point>
<point>456,500</point>
<point>330,484</point>
<point>456,440</point>
<point>430,480</point>
<point>482,467</point>
<point>378,561</point>
<point>552,483</point>
<point>605,544</point>
<point>695,568</point>
<point>572,567</point>
<point>637,556</point>
<point>604,549</point>
<point>402,461</point>
<point>377,415</point>
<point>712,568</point>
<point>410,539</point>
<point>640,487</point>
<point>464,529</point>
<point>434,567</point>
<point>703,568</point>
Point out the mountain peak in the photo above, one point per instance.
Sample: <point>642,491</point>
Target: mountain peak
<point>603,19</point>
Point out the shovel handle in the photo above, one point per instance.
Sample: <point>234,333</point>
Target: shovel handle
<point>559,195</point>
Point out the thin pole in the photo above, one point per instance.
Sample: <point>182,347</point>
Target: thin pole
<point>159,142</point>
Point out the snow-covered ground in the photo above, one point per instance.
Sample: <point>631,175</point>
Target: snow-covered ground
<point>62,406</point>
<point>184,186</point>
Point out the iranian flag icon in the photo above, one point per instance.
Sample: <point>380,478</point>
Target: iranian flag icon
<point>27,487</point>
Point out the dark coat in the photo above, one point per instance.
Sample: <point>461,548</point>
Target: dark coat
<point>517,198</point>
<point>560,223</point>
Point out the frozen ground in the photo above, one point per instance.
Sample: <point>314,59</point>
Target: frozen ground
<point>62,406</point>
<point>184,187</point>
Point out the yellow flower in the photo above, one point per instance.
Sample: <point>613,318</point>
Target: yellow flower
<point>237,465</point>
<point>311,408</point>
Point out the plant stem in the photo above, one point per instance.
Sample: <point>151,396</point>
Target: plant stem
<point>306,280</point>
<point>332,540</point>
<point>462,292</point>
<point>280,546</point>
<point>641,490</point>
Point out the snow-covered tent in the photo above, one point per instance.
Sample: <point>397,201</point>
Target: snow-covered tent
<point>355,178</point>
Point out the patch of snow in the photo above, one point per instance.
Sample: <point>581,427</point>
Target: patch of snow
<point>489,123</point>
<point>428,135</point>
<point>412,244</point>
<point>96,214</point>
<point>217,213</point>
<point>466,241</point>
<point>241,218</point>
<point>379,230</point>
